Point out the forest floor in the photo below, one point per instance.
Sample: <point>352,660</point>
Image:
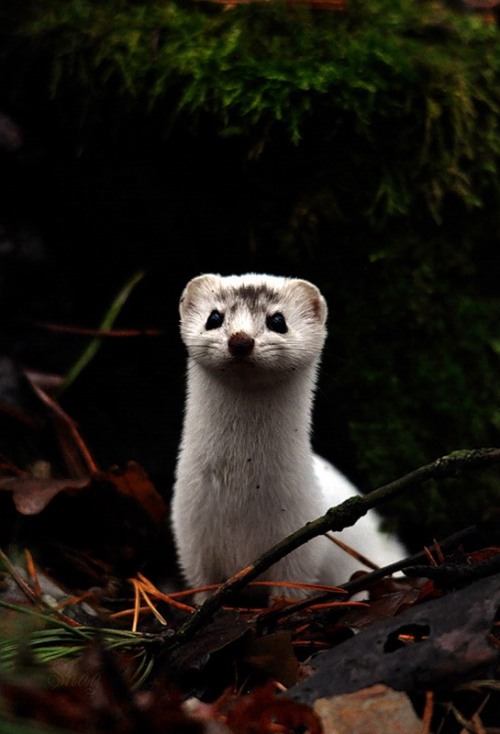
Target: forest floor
<point>97,634</point>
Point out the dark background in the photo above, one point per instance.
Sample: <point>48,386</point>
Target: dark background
<point>96,184</point>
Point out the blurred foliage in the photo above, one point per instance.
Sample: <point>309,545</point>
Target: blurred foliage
<point>416,84</point>
<point>359,148</point>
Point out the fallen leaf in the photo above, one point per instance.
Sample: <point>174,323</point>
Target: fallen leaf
<point>263,712</point>
<point>134,482</point>
<point>369,711</point>
<point>273,655</point>
<point>226,628</point>
<point>31,494</point>
<point>397,597</point>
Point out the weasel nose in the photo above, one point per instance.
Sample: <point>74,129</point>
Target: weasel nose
<point>240,344</point>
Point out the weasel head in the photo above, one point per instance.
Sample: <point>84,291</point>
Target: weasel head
<point>252,328</point>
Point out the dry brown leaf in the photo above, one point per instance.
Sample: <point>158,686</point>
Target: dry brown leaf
<point>31,494</point>
<point>134,482</point>
<point>262,712</point>
<point>369,711</point>
<point>273,654</point>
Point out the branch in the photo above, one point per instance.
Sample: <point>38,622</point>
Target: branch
<point>336,519</point>
<point>367,580</point>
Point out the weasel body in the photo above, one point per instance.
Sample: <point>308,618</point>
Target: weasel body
<point>246,474</point>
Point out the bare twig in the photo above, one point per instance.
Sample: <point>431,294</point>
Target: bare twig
<point>105,333</point>
<point>336,519</point>
<point>79,460</point>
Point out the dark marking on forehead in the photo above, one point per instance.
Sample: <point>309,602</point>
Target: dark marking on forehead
<point>256,296</point>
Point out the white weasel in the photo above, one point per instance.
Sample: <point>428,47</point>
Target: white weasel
<point>246,474</point>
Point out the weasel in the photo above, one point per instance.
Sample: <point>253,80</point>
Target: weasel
<point>246,474</point>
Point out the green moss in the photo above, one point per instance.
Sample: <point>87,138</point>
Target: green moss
<point>429,77</point>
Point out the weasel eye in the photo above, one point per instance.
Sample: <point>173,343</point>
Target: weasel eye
<point>215,320</point>
<point>276,322</point>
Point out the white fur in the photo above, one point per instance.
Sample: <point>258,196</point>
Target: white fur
<point>246,475</point>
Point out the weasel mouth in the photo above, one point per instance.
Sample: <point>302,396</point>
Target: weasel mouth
<point>241,360</point>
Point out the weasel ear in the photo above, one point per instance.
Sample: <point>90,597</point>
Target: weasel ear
<point>311,300</point>
<point>203,286</point>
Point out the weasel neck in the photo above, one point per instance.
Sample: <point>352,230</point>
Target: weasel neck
<point>275,418</point>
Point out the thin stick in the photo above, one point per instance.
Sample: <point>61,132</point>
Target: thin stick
<point>336,519</point>
<point>98,333</point>
<point>354,553</point>
<point>70,424</point>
